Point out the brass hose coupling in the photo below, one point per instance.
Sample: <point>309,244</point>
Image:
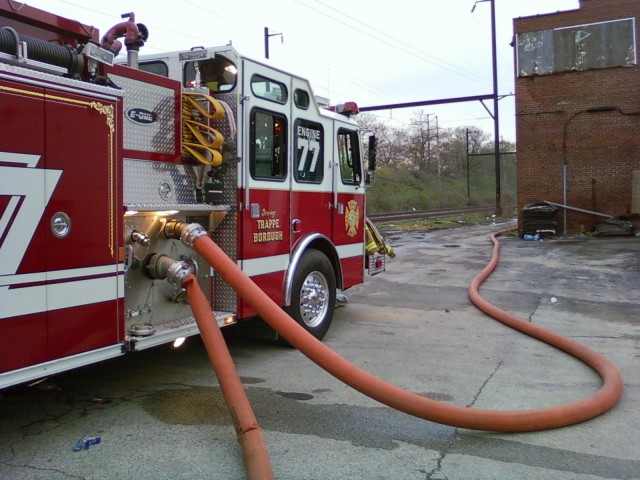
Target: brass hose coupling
<point>187,233</point>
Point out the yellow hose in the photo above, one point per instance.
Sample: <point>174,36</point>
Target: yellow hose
<point>199,140</point>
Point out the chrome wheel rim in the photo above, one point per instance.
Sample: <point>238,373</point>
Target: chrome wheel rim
<point>314,299</point>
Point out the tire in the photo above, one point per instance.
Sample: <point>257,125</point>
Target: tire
<point>313,294</point>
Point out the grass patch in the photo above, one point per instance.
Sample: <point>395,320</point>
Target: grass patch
<point>440,223</point>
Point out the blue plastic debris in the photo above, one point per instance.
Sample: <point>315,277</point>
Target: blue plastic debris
<point>86,442</point>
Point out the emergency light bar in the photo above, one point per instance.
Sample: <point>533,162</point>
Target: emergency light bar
<point>347,108</point>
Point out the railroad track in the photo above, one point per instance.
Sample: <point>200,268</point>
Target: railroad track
<point>424,214</point>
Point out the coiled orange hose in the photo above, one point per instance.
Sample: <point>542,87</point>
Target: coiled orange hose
<point>411,403</point>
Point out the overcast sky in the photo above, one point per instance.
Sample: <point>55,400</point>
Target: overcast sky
<point>367,51</point>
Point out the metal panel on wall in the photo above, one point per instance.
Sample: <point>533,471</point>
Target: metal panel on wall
<point>580,47</point>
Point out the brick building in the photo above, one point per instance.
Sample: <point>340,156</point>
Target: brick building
<point>578,111</point>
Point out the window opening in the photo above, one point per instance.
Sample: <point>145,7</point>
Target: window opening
<point>268,89</point>
<point>157,67</point>
<point>301,98</point>
<point>268,145</point>
<point>217,74</point>
<point>349,157</point>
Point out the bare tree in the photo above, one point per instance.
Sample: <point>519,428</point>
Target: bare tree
<point>391,141</point>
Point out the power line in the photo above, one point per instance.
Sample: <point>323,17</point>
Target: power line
<point>421,55</point>
<point>401,42</point>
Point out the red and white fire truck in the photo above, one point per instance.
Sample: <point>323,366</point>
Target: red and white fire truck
<point>99,160</point>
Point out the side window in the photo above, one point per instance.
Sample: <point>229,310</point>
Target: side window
<point>268,89</point>
<point>309,137</point>
<point>301,98</point>
<point>268,145</point>
<point>349,157</point>
<point>157,67</point>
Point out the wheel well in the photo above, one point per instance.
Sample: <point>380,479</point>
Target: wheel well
<point>317,242</point>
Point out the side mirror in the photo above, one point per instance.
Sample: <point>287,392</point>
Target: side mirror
<point>368,175</point>
<point>373,145</point>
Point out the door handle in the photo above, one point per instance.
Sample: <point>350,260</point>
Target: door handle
<point>296,225</point>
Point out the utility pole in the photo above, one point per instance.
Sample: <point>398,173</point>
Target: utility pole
<point>496,114</point>
<point>267,35</point>
<point>468,182</point>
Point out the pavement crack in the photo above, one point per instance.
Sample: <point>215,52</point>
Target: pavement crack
<point>484,384</point>
<point>40,469</point>
<point>535,309</point>
<point>436,472</point>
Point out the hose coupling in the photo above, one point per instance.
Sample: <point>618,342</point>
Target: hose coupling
<point>162,266</point>
<point>140,238</point>
<point>188,233</point>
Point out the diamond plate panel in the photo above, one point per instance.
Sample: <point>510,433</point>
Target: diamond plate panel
<point>158,183</point>
<point>157,136</point>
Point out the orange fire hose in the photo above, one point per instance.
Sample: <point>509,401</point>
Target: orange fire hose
<point>254,450</point>
<point>411,403</point>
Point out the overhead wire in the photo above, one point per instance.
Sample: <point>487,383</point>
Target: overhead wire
<point>410,49</point>
<point>416,52</point>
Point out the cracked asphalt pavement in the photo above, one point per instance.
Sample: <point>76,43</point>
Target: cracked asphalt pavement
<point>159,414</point>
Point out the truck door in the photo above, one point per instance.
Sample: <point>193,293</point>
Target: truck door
<point>265,232</point>
<point>349,202</point>
<point>312,183</point>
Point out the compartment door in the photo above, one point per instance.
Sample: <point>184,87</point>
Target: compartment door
<point>349,201</point>
<point>80,225</point>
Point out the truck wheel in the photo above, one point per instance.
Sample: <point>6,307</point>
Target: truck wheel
<point>313,295</point>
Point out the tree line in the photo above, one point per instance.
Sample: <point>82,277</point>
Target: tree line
<point>423,167</point>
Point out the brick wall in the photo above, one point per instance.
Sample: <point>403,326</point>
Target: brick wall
<point>598,150</point>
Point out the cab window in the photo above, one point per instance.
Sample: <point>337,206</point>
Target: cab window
<point>217,74</point>
<point>349,157</point>
<point>309,137</point>
<point>157,67</point>
<point>268,145</point>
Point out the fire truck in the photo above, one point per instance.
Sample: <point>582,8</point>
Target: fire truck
<point>100,158</point>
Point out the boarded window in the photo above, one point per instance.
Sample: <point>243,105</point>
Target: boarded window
<point>580,47</point>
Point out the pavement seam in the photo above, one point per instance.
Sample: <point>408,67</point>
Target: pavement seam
<point>444,452</point>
